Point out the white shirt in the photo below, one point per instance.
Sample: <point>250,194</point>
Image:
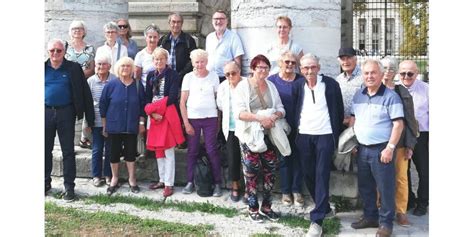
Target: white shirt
<point>314,114</point>
<point>144,60</point>
<point>105,49</point>
<point>201,101</point>
<point>274,53</point>
<point>223,50</point>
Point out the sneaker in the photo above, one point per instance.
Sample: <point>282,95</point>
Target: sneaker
<point>69,196</point>
<point>286,199</point>
<point>402,220</point>
<point>234,198</point>
<point>217,191</point>
<point>255,216</point>
<point>168,191</point>
<point>314,230</point>
<point>108,180</point>
<point>299,200</point>
<point>97,182</point>
<point>364,223</point>
<point>270,214</point>
<point>189,188</point>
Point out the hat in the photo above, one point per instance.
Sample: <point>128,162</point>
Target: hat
<point>347,52</point>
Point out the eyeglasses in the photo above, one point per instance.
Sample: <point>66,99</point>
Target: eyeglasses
<point>55,50</point>
<point>389,69</point>
<point>306,68</point>
<point>283,27</point>
<point>409,74</point>
<point>230,74</point>
<point>111,32</point>
<point>288,62</point>
<point>123,26</point>
<point>262,68</point>
<point>77,28</point>
<point>219,18</point>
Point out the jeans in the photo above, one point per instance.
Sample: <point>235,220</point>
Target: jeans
<point>316,158</point>
<point>291,175</point>
<point>372,174</point>
<point>100,165</point>
<point>62,121</point>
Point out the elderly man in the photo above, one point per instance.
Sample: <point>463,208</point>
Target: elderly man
<point>350,80</point>
<point>319,114</point>
<point>67,96</point>
<point>377,117</point>
<point>179,45</point>
<point>418,89</point>
<point>223,45</point>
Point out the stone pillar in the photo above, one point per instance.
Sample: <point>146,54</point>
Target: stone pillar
<point>346,24</point>
<point>316,27</point>
<point>60,13</point>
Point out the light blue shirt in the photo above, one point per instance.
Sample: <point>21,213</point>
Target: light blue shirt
<point>223,50</point>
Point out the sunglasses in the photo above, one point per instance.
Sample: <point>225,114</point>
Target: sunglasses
<point>230,74</point>
<point>55,50</point>
<point>409,74</point>
<point>123,26</point>
<point>288,62</point>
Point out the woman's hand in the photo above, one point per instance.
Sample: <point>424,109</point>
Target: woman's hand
<point>157,117</point>
<point>189,129</point>
<point>267,122</point>
<point>141,129</point>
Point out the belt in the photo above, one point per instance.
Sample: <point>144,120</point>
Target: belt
<point>375,145</point>
<point>56,107</point>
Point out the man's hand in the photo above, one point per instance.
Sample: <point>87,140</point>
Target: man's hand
<point>408,153</point>
<point>386,155</point>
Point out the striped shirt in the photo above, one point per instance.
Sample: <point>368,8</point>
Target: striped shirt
<point>96,86</point>
<point>374,115</point>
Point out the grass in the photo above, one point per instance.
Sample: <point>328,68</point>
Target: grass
<point>331,226</point>
<point>342,204</point>
<point>153,205</point>
<point>61,221</point>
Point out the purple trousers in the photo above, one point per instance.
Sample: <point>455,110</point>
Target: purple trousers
<point>209,128</point>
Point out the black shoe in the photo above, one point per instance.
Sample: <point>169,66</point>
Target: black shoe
<point>364,223</point>
<point>420,210</point>
<point>134,189</point>
<point>271,215</point>
<point>255,217</point>
<point>234,198</point>
<point>69,196</point>
<point>112,189</point>
<point>47,187</point>
<point>411,204</point>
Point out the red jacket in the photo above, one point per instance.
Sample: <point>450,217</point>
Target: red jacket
<point>165,133</point>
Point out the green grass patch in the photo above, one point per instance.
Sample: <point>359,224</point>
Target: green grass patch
<point>342,204</point>
<point>265,235</point>
<point>61,221</point>
<point>153,205</point>
<point>331,226</point>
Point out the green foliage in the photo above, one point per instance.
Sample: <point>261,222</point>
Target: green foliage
<point>342,204</point>
<point>414,19</point>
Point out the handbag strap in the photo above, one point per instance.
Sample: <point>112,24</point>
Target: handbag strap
<point>260,97</point>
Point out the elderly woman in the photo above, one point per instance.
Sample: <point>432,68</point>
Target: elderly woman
<point>406,143</point>
<point>144,60</point>
<point>111,46</point>
<point>251,97</point>
<point>121,110</point>
<point>96,84</point>
<point>80,52</point>
<point>225,98</point>
<point>291,175</point>
<point>125,35</point>
<point>199,113</point>
<point>162,90</point>
<point>284,43</point>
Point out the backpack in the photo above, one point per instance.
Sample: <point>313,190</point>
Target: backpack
<point>203,175</point>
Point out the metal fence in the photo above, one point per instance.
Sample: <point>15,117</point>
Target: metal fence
<point>392,27</point>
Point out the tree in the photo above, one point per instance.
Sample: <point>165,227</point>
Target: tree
<point>414,19</point>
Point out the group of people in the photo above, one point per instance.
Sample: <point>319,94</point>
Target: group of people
<point>285,116</point>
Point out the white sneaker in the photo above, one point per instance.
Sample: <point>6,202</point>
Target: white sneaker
<point>286,199</point>
<point>299,200</point>
<point>314,230</point>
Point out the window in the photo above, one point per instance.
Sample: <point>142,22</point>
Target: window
<point>390,28</point>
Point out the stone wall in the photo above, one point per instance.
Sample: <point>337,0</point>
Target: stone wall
<point>346,23</point>
<point>316,27</point>
<point>60,13</point>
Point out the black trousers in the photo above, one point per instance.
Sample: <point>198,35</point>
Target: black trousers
<point>421,160</point>
<point>233,153</point>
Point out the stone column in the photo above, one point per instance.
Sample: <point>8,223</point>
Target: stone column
<point>316,27</point>
<point>60,13</point>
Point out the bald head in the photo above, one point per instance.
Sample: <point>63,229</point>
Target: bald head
<point>408,72</point>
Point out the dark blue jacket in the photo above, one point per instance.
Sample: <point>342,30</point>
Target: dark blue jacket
<point>122,106</point>
<point>172,84</point>
<point>81,93</point>
<point>333,100</point>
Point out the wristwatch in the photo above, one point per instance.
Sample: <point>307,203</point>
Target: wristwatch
<point>141,123</point>
<point>391,146</point>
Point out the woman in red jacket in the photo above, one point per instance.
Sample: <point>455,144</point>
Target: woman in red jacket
<point>164,130</point>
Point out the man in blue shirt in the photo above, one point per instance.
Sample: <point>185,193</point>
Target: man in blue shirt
<point>377,117</point>
<point>67,96</point>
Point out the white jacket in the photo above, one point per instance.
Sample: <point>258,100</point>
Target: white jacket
<point>223,103</point>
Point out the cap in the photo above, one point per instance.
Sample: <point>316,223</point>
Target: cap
<point>347,52</point>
